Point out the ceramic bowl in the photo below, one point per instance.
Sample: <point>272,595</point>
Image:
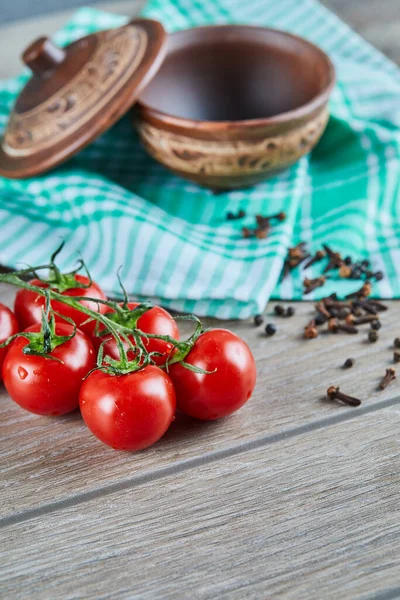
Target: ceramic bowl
<point>232,104</point>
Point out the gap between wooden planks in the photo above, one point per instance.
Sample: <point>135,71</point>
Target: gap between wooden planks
<point>311,516</point>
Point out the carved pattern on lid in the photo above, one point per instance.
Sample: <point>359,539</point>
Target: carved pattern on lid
<point>116,57</point>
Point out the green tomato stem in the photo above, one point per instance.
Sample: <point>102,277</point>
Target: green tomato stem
<point>121,332</point>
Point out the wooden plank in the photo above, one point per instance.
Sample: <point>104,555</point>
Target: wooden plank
<point>378,21</point>
<point>48,459</point>
<point>313,516</point>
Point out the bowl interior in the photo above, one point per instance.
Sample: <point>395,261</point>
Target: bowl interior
<point>232,73</point>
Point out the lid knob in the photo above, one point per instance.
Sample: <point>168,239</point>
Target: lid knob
<point>42,56</point>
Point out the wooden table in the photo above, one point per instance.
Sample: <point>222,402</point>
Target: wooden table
<point>292,497</point>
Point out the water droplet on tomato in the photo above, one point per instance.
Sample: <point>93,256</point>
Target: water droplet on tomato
<point>23,373</point>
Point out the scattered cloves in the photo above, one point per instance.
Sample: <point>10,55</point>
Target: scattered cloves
<point>396,356</point>
<point>258,320</point>
<point>279,310</point>
<point>389,377</point>
<point>397,343</point>
<point>334,393</point>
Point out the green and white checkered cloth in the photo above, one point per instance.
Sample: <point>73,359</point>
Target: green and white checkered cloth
<point>117,206</point>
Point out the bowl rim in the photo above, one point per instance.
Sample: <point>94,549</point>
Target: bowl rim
<point>298,113</point>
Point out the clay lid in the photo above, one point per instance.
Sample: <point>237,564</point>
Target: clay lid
<point>76,93</point>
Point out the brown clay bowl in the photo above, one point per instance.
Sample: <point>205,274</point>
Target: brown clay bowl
<point>233,104</point>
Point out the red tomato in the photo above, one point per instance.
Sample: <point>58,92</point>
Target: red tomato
<point>157,321</point>
<point>8,327</point>
<point>28,305</point>
<point>45,386</point>
<point>128,412</point>
<point>218,394</point>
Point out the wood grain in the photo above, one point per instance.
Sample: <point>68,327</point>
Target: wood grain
<point>314,516</point>
<point>275,502</point>
<point>50,460</point>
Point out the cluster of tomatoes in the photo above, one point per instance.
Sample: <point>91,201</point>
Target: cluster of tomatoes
<point>128,409</point>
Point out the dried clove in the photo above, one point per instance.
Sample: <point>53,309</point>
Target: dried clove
<point>396,356</point>
<point>364,291</point>
<point>353,320</point>
<point>322,308</point>
<point>264,222</point>
<point>335,259</point>
<point>247,233</point>
<point>319,255</point>
<point>320,319</point>
<point>357,310</point>
<point>261,233</point>
<point>310,330</point>
<point>345,272</point>
<point>297,251</point>
<point>334,393</point>
<point>335,326</point>
<point>397,343</point>
<point>258,320</point>
<point>312,284</point>
<point>378,305</point>
<point>388,378</point>
<point>343,313</point>
<point>295,257</point>
<point>368,307</point>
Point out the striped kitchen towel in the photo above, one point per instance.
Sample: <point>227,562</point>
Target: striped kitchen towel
<point>116,206</point>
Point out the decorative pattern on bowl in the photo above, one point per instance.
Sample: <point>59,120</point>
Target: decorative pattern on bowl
<point>231,164</point>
